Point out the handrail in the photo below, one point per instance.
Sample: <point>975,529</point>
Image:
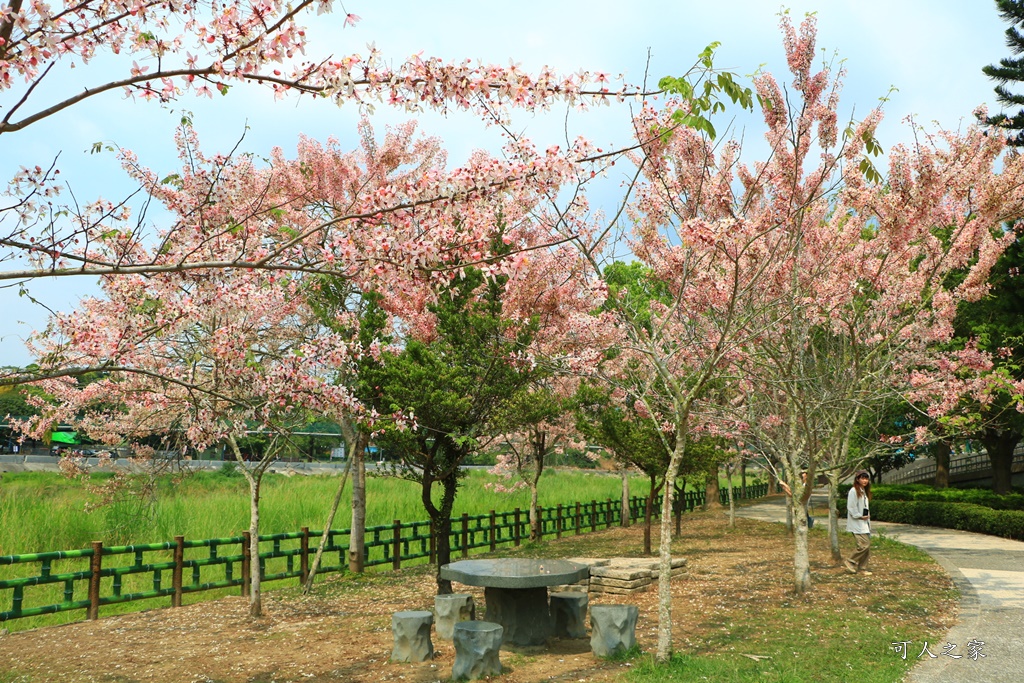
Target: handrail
<point>977,461</point>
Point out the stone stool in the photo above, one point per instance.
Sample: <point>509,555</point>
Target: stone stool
<point>412,636</point>
<point>569,613</point>
<point>613,629</point>
<point>451,609</point>
<point>476,649</point>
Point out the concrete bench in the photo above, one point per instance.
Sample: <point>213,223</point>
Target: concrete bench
<point>569,614</point>
<point>412,636</point>
<point>612,629</point>
<point>476,649</point>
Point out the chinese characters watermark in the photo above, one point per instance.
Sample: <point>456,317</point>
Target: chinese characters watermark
<point>902,647</point>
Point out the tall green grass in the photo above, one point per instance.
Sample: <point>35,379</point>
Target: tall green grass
<point>42,511</point>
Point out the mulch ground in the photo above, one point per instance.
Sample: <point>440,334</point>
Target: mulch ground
<point>342,632</point>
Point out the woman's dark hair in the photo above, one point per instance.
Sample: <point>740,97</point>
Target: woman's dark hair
<point>865,490</point>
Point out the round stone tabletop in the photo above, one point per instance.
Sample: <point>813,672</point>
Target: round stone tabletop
<point>514,573</point>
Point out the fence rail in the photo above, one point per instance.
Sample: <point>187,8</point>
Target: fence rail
<point>976,462</point>
<point>107,575</point>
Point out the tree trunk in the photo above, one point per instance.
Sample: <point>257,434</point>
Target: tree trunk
<point>942,450</point>
<point>255,591</point>
<point>648,516</point>
<point>743,478</point>
<point>357,534</point>
<point>790,503</point>
<point>1000,444</point>
<point>534,516</point>
<point>664,651</point>
<point>773,483</point>
<point>801,561</point>
<point>680,501</point>
<point>253,478</point>
<point>315,564</point>
<point>624,518</point>
<point>711,491</point>
<point>538,468</point>
<point>833,515</point>
<point>732,502</point>
<point>442,522</point>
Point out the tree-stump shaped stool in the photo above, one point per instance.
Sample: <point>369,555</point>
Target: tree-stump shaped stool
<point>412,636</point>
<point>451,609</point>
<point>476,650</point>
<point>569,612</point>
<point>612,629</point>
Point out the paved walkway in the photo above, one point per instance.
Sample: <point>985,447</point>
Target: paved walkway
<point>989,571</point>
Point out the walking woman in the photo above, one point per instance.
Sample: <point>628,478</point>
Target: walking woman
<point>858,522</point>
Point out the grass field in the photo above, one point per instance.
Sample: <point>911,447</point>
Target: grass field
<point>42,511</point>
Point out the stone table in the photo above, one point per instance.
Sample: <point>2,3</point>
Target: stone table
<point>516,592</point>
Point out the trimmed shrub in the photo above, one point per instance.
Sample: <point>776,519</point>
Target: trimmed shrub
<point>923,492</point>
<point>961,516</point>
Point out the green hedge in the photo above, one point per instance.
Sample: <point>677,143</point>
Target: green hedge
<point>962,516</point>
<point>923,492</point>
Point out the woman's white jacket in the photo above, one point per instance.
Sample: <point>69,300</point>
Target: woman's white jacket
<point>855,512</point>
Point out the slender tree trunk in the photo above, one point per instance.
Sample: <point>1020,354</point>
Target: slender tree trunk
<point>789,513</point>
<point>315,565</point>
<point>833,515</point>
<point>801,561</point>
<point>664,651</point>
<point>711,490</point>
<point>649,515</point>
<point>732,502</point>
<point>538,468</point>
<point>680,501</point>
<point>357,533</point>
<point>625,521</point>
<point>534,516</point>
<point>442,519</point>
<point>1000,445</point>
<point>743,478</point>
<point>942,450</point>
<point>253,478</point>
<point>255,594</point>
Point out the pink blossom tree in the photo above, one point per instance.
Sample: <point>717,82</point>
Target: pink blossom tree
<point>212,356</point>
<point>858,300</point>
<point>165,51</point>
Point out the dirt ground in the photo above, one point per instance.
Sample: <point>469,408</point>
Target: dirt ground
<point>342,632</point>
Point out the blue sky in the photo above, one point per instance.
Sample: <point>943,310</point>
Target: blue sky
<point>931,51</point>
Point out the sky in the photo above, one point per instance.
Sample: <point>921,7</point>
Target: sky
<point>925,56</point>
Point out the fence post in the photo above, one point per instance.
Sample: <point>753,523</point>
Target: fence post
<point>558,521</point>
<point>304,555</point>
<point>179,559</point>
<point>578,518</point>
<point>95,567</point>
<point>609,514</point>
<point>515,527</point>
<point>465,534</point>
<point>246,564</point>
<point>593,515</point>
<point>494,531</point>
<point>396,545</point>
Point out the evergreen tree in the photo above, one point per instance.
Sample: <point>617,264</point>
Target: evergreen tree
<point>1010,69</point>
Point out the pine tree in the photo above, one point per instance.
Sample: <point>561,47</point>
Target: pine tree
<point>1010,69</point>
